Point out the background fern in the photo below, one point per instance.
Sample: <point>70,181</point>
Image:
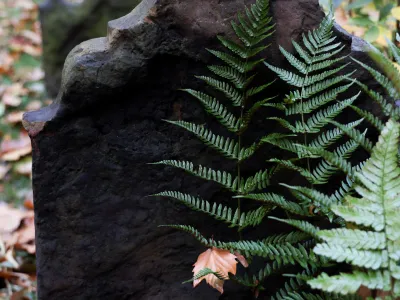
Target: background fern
<point>320,147</point>
<point>234,80</point>
<point>374,246</point>
<point>313,105</point>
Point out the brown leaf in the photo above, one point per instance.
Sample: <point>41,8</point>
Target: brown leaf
<point>28,203</point>
<point>13,149</point>
<point>3,170</point>
<point>14,117</point>
<point>221,261</point>
<point>12,94</point>
<point>25,236</point>
<point>10,218</point>
<point>241,259</point>
<point>24,167</point>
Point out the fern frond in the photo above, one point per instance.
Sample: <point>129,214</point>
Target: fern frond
<point>235,77</point>
<point>369,117</point>
<point>394,50</point>
<point>234,218</point>
<point>320,86</point>
<point>362,258</point>
<point>230,92</point>
<point>226,146</point>
<point>192,231</point>
<point>236,63</point>
<point>353,238</point>
<point>355,135</point>
<point>223,178</point>
<point>292,237</point>
<point>388,109</point>
<point>375,246</point>
<point>205,272</point>
<point>391,73</point>
<point>216,109</point>
<point>326,139</point>
<point>381,79</point>
<point>277,200</point>
<point>330,157</point>
<point>350,283</point>
<point>311,105</point>
<point>294,61</point>
<point>323,117</point>
<point>304,226</point>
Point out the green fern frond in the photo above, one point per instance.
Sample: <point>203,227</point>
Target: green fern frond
<point>192,231</point>
<point>316,198</point>
<point>394,50</point>
<point>216,109</point>
<point>310,91</point>
<point>302,171</point>
<point>353,238</point>
<point>230,92</point>
<point>311,105</point>
<point>277,200</point>
<point>218,211</point>
<point>223,178</point>
<point>228,147</point>
<point>362,258</point>
<point>205,272</point>
<point>292,237</point>
<point>304,226</point>
<point>330,157</point>
<point>369,117</point>
<point>235,77</point>
<point>322,117</point>
<point>350,283</point>
<point>317,120</point>
<point>291,285</point>
<point>391,73</point>
<point>388,109</point>
<point>381,79</point>
<point>355,135</point>
<point>375,245</point>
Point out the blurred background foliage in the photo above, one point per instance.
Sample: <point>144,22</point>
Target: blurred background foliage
<point>373,20</point>
<point>22,89</point>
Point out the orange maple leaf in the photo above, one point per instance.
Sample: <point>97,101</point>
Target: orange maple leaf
<point>217,260</point>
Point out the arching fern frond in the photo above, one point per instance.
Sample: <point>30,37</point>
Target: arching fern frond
<point>375,245</point>
<point>233,217</point>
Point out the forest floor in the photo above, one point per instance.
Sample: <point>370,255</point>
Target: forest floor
<point>21,89</point>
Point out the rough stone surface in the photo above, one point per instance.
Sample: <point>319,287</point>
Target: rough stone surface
<point>65,25</point>
<point>97,234</point>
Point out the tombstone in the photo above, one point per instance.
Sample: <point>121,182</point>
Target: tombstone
<point>97,232</point>
<point>65,25</point>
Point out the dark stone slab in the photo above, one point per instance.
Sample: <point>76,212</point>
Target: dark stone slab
<point>65,25</point>
<point>97,234</point>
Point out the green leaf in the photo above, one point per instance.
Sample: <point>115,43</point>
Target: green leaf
<point>372,34</point>
<point>358,4</point>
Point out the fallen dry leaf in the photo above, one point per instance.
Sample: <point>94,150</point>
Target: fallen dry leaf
<point>217,260</point>
<point>3,170</point>
<point>24,167</point>
<point>12,94</point>
<point>10,218</point>
<point>14,117</point>
<point>14,149</point>
<point>25,237</point>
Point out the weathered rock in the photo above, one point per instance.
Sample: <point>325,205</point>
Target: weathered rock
<point>65,25</point>
<point>97,235</point>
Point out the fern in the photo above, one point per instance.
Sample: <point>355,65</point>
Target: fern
<point>388,78</point>
<point>374,247</point>
<point>317,85</point>
<point>234,80</point>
